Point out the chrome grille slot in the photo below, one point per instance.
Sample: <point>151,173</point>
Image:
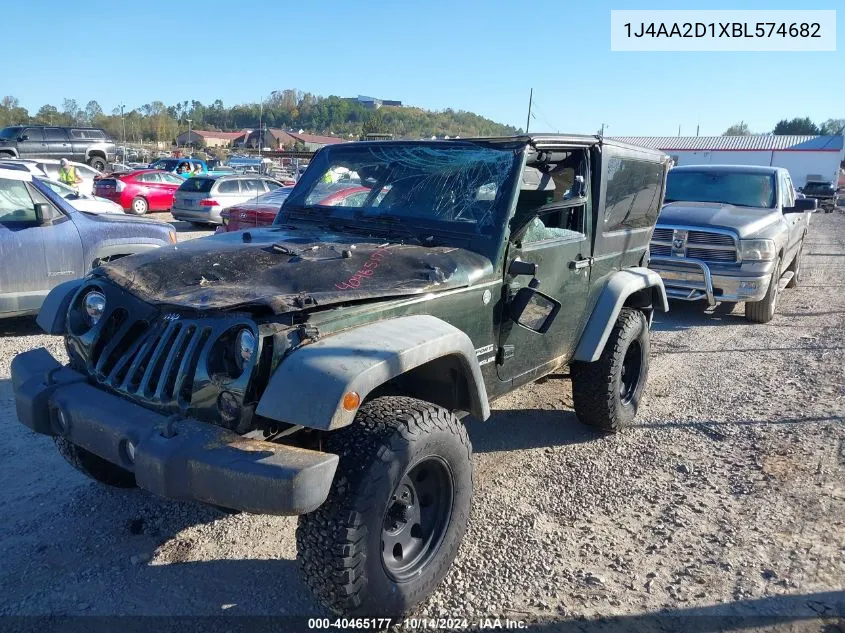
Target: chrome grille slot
<point>710,239</point>
<point>709,255</point>
<point>662,235</point>
<point>660,250</point>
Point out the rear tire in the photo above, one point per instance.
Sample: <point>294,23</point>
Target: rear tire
<point>606,393</point>
<point>97,163</point>
<point>764,310</point>
<point>139,206</point>
<point>396,513</point>
<point>94,466</point>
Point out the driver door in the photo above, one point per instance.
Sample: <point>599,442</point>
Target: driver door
<point>555,240</point>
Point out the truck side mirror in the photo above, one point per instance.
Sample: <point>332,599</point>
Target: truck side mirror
<point>534,310</point>
<point>802,205</point>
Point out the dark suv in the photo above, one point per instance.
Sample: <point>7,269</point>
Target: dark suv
<point>80,144</point>
<point>321,366</point>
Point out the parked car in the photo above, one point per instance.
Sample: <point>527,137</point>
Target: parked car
<point>263,210</point>
<point>730,234</point>
<point>824,193</point>
<point>172,165</point>
<point>254,213</point>
<point>82,201</point>
<point>82,144</point>
<point>44,241</point>
<point>200,199</point>
<point>140,191</point>
<point>24,165</point>
<point>321,367</point>
<point>51,167</point>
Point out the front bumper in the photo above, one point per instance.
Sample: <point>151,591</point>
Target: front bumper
<point>694,280</point>
<point>183,459</point>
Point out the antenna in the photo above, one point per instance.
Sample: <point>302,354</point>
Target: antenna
<point>530,99</point>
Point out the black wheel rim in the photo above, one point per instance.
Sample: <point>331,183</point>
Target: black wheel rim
<point>632,368</point>
<point>416,518</point>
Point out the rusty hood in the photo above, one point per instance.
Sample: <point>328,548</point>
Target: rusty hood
<point>286,270</point>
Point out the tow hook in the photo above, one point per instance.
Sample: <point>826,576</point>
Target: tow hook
<point>169,431</point>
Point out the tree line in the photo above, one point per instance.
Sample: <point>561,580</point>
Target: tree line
<point>288,109</point>
<point>798,125</point>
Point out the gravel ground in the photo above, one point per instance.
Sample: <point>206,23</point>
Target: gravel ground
<point>727,496</point>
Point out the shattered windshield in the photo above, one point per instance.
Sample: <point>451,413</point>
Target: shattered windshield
<point>423,187</point>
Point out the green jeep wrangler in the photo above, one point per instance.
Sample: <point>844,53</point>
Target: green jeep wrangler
<point>320,367</point>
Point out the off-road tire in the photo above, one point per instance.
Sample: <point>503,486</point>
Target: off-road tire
<point>340,544</point>
<point>142,206</point>
<point>795,267</point>
<point>94,466</point>
<point>596,386</point>
<point>97,163</point>
<point>764,310</point>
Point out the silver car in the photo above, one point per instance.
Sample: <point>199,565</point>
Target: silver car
<point>200,199</point>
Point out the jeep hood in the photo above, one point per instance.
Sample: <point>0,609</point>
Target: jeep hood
<point>286,270</point>
<point>746,221</point>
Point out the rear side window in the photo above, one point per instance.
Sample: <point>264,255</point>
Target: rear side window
<point>16,206</point>
<point>228,186</point>
<point>632,197</point>
<point>150,177</point>
<point>197,185</point>
<point>55,134</point>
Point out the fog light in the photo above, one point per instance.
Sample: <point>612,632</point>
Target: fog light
<point>749,285</point>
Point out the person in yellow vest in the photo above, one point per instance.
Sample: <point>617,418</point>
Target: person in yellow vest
<point>68,175</point>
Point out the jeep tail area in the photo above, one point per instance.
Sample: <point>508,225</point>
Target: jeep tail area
<point>321,366</point>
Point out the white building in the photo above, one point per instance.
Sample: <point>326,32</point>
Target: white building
<point>803,156</point>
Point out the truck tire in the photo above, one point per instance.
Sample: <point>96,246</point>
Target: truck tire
<point>606,393</point>
<point>795,267</point>
<point>98,163</point>
<point>139,206</point>
<point>396,513</point>
<point>94,466</point>
<point>762,311</point>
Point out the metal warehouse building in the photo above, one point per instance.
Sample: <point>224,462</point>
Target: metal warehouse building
<point>803,156</point>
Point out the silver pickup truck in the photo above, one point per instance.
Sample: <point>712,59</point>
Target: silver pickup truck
<point>730,233</point>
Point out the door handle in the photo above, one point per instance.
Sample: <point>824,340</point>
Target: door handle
<point>578,264</point>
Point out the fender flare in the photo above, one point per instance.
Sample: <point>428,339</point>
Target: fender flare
<point>52,316</point>
<point>621,285</point>
<point>308,386</point>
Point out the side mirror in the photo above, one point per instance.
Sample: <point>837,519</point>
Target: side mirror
<point>23,137</point>
<point>801,189</point>
<point>533,310</point>
<point>519,267</point>
<point>43,214</point>
<point>802,205</point>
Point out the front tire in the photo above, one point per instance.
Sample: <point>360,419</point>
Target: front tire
<point>764,310</point>
<point>93,465</point>
<point>396,513</point>
<point>139,206</point>
<point>606,393</point>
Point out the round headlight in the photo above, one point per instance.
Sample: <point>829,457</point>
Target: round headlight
<point>95,305</point>
<point>244,347</point>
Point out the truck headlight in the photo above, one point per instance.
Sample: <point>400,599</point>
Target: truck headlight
<point>244,348</point>
<point>757,250</point>
<point>95,305</point>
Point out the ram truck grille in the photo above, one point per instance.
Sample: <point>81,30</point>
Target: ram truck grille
<point>708,246</point>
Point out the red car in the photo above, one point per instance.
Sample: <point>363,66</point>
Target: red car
<point>262,210</point>
<point>140,191</point>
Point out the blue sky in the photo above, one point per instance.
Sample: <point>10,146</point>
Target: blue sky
<point>481,56</point>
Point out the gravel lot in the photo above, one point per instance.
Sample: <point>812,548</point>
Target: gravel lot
<point>728,495</point>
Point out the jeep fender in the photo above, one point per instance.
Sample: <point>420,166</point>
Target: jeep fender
<point>622,286</point>
<point>308,386</point>
<point>53,313</point>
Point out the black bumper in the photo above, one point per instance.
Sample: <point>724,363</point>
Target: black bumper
<point>198,461</point>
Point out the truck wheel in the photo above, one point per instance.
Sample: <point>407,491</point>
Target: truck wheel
<point>94,466</point>
<point>396,512</point>
<point>97,163</point>
<point>139,206</point>
<point>762,311</point>
<point>606,393</point>
<point>795,267</point>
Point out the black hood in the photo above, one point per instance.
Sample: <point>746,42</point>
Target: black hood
<point>290,270</point>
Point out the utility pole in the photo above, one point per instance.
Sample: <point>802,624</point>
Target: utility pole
<point>530,99</point>
<point>679,129</point>
<point>603,125</point>
<point>189,132</point>
<point>260,130</point>
<point>123,121</point>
